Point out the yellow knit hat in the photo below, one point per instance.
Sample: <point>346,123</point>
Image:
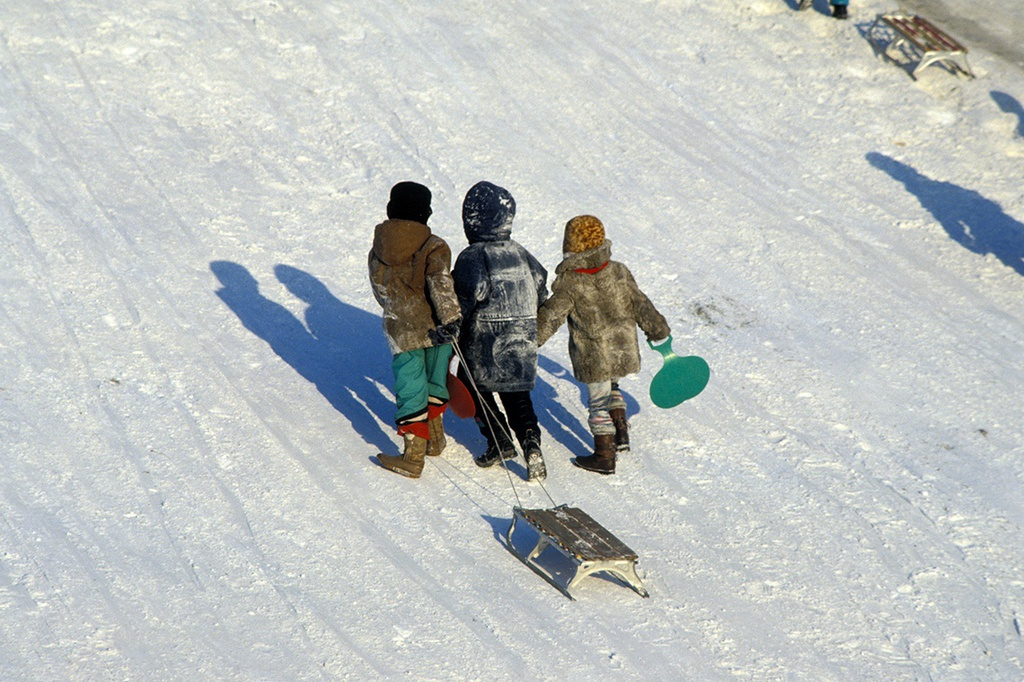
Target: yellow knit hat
<point>582,233</point>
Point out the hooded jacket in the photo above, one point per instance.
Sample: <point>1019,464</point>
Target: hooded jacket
<point>499,285</point>
<point>409,275</point>
<point>604,306</point>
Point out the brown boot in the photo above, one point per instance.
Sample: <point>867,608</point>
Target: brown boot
<point>603,459</point>
<point>437,440</point>
<point>411,462</point>
<point>621,429</point>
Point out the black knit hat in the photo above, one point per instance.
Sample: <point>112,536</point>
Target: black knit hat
<point>409,201</point>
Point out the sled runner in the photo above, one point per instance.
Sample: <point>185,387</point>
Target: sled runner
<point>589,547</point>
<point>679,378</point>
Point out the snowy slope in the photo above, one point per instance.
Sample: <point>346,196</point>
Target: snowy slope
<point>193,381</point>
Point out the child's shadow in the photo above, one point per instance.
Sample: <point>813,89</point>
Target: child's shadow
<point>1011,106</point>
<point>976,223</point>
<point>339,348</point>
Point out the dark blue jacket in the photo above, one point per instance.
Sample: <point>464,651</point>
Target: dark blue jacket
<point>500,286</point>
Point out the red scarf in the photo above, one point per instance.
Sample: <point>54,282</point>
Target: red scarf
<point>591,271</point>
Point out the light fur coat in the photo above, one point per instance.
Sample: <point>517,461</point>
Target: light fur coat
<point>604,306</point>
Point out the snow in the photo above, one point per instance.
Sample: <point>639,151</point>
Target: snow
<point>194,383</point>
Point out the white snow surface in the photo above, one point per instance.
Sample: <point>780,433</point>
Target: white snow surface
<point>194,383</point>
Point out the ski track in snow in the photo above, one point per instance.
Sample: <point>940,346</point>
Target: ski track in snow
<point>194,382</point>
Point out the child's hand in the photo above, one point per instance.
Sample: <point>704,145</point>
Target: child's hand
<point>445,333</point>
<point>655,344</point>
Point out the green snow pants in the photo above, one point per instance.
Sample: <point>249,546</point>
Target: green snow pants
<point>420,374</point>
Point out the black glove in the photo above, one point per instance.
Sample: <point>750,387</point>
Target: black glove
<point>446,333</point>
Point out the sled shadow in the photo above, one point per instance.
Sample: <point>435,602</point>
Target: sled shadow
<point>499,525</point>
<point>337,347</point>
<point>978,224</point>
<point>1011,106</point>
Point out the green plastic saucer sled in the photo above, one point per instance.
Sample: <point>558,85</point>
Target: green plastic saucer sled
<point>679,378</point>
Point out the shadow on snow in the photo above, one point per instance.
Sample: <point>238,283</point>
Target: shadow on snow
<point>1011,106</point>
<point>331,348</point>
<point>341,350</point>
<point>978,224</point>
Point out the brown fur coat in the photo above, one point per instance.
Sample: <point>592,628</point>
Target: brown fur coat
<point>410,273</point>
<point>604,309</point>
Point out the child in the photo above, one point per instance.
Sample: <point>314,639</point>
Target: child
<point>500,285</point>
<point>604,306</point>
<point>409,274</point>
<point>839,8</point>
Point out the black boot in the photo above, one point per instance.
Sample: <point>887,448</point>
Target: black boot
<point>535,467</point>
<point>839,11</point>
<point>603,459</point>
<point>499,449</point>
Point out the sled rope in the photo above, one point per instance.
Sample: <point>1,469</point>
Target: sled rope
<point>490,418</point>
<point>587,545</point>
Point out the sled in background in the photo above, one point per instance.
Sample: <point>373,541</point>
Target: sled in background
<point>899,29</point>
<point>589,547</point>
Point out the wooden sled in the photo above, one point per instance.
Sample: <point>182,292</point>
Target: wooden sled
<point>589,547</point>
<point>934,45</point>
